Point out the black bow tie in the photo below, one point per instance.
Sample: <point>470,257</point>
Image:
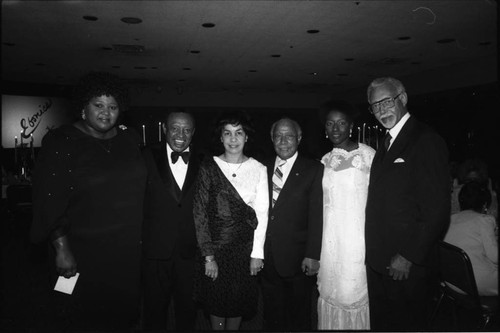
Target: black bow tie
<point>175,156</point>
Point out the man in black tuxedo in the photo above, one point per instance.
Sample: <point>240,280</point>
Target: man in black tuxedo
<point>169,237</point>
<point>407,210</point>
<point>293,238</point>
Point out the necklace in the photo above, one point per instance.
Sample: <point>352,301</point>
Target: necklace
<point>234,171</point>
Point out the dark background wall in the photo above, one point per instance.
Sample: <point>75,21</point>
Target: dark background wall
<point>465,117</point>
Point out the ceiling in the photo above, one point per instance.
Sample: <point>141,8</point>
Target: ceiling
<point>309,47</point>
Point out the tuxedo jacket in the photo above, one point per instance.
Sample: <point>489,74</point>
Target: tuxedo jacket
<point>408,203</point>
<point>295,224</point>
<point>169,224</point>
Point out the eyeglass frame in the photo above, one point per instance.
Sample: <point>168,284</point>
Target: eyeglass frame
<point>389,103</point>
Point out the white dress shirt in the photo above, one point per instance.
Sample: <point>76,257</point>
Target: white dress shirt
<point>285,169</point>
<point>397,128</point>
<point>179,169</point>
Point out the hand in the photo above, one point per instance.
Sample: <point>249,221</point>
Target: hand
<point>399,268</point>
<point>65,261</point>
<point>310,266</point>
<point>256,265</point>
<point>212,269</point>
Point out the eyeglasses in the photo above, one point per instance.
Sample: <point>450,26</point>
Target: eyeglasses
<point>388,102</point>
<point>286,137</point>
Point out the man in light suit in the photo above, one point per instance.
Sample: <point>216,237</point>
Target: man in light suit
<point>293,238</point>
<point>407,210</point>
<point>169,237</point>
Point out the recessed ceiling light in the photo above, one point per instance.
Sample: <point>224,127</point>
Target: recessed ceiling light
<point>89,18</point>
<point>131,20</point>
<point>313,73</point>
<point>186,69</point>
<point>194,51</point>
<point>404,38</point>
<point>275,55</point>
<point>445,40</point>
<point>208,25</point>
<point>312,31</point>
<point>253,71</point>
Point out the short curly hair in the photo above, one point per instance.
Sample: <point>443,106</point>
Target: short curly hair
<point>235,118</point>
<point>96,84</point>
<point>341,106</point>
<point>475,196</point>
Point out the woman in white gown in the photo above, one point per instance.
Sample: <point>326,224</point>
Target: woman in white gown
<point>343,293</point>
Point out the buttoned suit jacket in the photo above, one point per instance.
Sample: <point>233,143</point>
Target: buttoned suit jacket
<point>408,198</point>
<point>169,224</point>
<point>295,224</point>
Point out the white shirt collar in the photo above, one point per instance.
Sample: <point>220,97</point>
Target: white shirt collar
<point>397,128</point>
<point>289,162</point>
<point>169,152</point>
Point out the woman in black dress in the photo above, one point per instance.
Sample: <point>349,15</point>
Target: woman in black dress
<point>88,193</point>
<point>230,213</point>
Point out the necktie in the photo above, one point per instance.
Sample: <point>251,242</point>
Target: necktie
<point>277,181</point>
<point>387,141</point>
<point>175,156</point>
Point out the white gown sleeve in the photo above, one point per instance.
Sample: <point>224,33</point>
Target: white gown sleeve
<point>261,207</point>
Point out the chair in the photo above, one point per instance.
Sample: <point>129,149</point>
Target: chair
<point>455,268</point>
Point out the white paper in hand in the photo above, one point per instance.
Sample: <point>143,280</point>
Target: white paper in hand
<point>65,285</point>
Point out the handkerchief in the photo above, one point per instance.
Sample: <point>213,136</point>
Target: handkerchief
<point>399,160</point>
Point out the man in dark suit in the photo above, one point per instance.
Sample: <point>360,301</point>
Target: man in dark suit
<point>293,238</point>
<point>169,237</point>
<point>407,210</point>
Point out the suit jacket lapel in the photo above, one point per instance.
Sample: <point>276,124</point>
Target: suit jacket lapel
<point>190,175</point>
<point>166,173</point>
<point>380,165</point>
<point>290,183</point>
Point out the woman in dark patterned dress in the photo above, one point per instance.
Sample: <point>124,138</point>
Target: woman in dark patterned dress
<point>230,212</point>
<point>88,193</point>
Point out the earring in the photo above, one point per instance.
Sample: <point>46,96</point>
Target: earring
<point>83,115</point>
<point>350,132</point>
<point>326,135</point>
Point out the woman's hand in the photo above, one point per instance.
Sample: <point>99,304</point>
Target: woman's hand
<point>65,261</point>
<point>211,268</point>
<point>256,265</point>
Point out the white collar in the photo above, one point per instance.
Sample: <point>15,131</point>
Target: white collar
<point>397,128</point>
<point>289,162</point>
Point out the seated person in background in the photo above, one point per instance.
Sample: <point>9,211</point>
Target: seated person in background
<point>473,169</point>
<point>474,232</point>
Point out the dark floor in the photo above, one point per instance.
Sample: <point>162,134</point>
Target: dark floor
<point>25,288</point>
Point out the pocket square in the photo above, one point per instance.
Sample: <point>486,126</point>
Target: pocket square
<point>399,160</point>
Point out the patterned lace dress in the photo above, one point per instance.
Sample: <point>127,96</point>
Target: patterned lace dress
<point>343,293</point>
